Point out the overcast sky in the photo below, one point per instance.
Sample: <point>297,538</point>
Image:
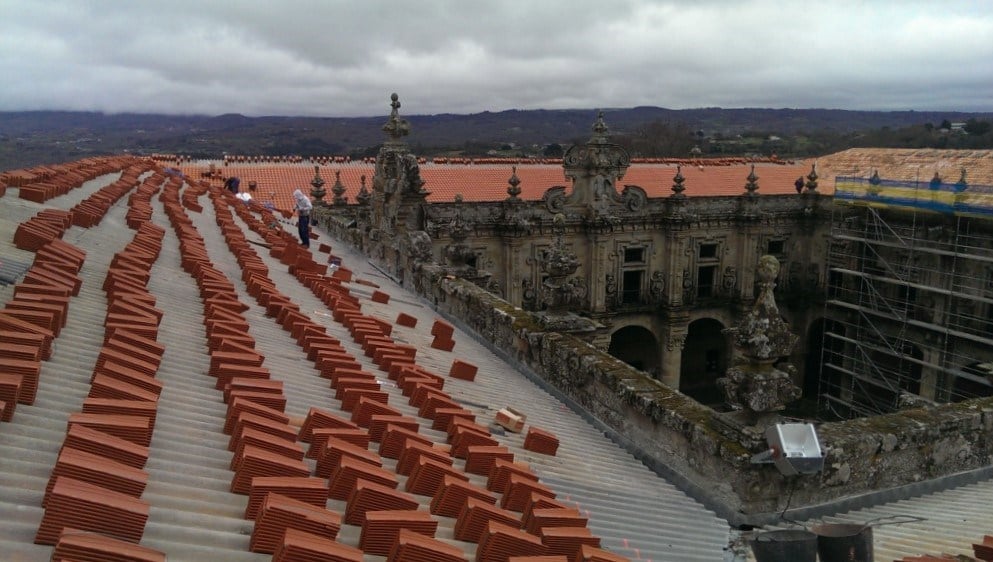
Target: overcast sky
<point>339,58</point>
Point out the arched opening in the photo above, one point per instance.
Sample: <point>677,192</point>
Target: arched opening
<point>637,347</point>
<point>705,359</point>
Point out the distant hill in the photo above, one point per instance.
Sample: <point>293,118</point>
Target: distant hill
<point>40,137</point>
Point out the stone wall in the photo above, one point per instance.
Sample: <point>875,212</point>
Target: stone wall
<point>868,460</point>
<point>678,437</point>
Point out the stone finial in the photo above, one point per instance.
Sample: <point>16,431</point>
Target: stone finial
<point>514,190</point>
<point>677,183</point>
<point>599,129</point>
<point>751,186</point>
<point>363,196</point>
<point>317,185</point>
<point>338,189</point>
<point>396,127</point>
<point>812,179</point>
<point>761,338</point>
<point>763,335</point>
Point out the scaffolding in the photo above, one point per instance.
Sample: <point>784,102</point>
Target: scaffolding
<point>909,311</point>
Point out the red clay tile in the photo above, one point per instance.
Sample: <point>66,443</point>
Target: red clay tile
<point>300,546</point>
<point>414,547</point>
<point>80,505</point>
<point>453,494</point>
<point>313,491</point>
<point>500,542</point>
<point>541,441</point>
<point>76,545</point>
<point>279,513</point>
<point>368,496</point>
<point>406,320</point>
<point>331,450</point>
<point>588,553</point>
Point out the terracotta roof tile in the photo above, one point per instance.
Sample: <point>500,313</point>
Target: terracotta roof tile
<point>488,182</point>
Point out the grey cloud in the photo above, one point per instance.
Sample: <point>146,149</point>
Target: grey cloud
<point>343,58</point>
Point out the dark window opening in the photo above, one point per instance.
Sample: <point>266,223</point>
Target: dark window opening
<point>835,284</point>
<point>632,287</point>
<point>906,297</point>
<point>705,281</point>
<point>634,255</point>
<point>708,250</point>
<point>471,261</point>
<point>775,247</point>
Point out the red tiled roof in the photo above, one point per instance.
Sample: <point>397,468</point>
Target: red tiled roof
<point>488,182</point>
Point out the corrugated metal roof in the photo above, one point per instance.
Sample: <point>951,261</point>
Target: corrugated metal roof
<point>193,516</point>
<point>946,522</point>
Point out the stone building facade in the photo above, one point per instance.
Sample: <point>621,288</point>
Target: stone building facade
<point>654,281</point>
<point>615,300</point>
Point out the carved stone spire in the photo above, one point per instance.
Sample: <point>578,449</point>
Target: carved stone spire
<point>812,179</point>
<point>558,263</point>
<point>599,130</point>
<point>751,186</point>
<point>514,190</point>
<point>317,185</point>
<point>761,338</point>
<point>677,183</point>
<point>395,126</point>
<point>363,196</point>
<point>338,189</point>
<point>595,168</point>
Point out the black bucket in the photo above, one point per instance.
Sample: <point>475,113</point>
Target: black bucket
<point>785,546</point>
<point>838,542</point>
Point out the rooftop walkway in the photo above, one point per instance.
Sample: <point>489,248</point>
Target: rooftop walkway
<point>179,378</point>
<point>184,360</point>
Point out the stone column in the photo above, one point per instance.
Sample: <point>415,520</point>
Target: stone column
<point>512,251</point>
<point>674,339</point>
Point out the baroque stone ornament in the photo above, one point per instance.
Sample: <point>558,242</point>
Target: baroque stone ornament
<point>656,287</point>
<point>752,184</point>
<point>755,384</point>
<point>559,264</point>
<point>363,196</point>
<point>317,186</point>
<point>338,189</point>
<point>812,179</point>
<point>396,127</point>
<point>514,187</point>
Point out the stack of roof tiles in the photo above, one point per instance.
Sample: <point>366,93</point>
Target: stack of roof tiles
<point>75,545</point>
<point>381,529</point>
<point>300,546</point>
<point>411,546</point>
<point>541,441</point>
<point>277,513</point>
<point>97,482</point>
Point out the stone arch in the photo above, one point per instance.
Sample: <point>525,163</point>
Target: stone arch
<point>637,346</point>
<point>705,358</point>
